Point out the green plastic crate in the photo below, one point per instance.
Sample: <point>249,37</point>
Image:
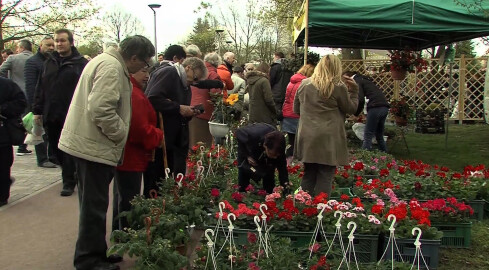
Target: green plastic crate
<point>297,239</point>
<point>478,206</point>
<point>429,248</point>
<point>366,246</point>
<point>456,235</point>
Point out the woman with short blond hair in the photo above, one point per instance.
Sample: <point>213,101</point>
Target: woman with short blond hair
<point>322,102</point>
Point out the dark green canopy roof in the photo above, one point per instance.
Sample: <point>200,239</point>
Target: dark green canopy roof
<point>391,24</point>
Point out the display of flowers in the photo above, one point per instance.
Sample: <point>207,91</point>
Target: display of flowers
<point>400,108</point>
<point>227,109</point>
<point>407,60</point>
<point>448,210</point>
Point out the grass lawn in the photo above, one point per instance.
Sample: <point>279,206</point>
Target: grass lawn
<point>467,145</point>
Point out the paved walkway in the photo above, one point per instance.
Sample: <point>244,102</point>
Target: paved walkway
<point>38,228</point>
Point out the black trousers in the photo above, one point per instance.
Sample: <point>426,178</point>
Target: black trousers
<point>53,130</point>
<point>44,152</point>
<point>93,194</point>
<point>154,172</point>
<point>126,186</point>
<point>6,161</point>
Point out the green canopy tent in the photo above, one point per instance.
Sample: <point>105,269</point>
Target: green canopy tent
<point>388,24</point>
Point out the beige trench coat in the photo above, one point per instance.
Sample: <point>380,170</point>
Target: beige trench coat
<point>321,136</point>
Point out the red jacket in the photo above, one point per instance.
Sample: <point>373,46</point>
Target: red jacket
<point>288,108</point>
<point>225,76</point>
<point>201,96</point>
<point>143,136</point>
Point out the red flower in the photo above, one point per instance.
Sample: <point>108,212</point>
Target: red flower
<point>417,186</point>
<point>250,188</point>
<point>402,169</point>
<point>235,162</point>
<point>345,175</point>
<point>320,198</point>
<point>251,238</point>
<point>322,261</point>
<point>377,209</point>
<point>344,197</point>
<point>384,172</point>
<point>262,192</point>
<point>356,201</point>
<point>358,166</point>
<point>310,212</point>
<point>238,197</point>
<point>285,215</point>
<point>215,192</point>
<point>457,176</point>
<point>441,174</point>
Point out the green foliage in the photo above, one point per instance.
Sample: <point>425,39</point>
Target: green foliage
<point>30,19</point>
<point>465,47</point>
<point>203,36</point>
<point>159,255</point>
<point>296,63</point>
<point>92,49</point>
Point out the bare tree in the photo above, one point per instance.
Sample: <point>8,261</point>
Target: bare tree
<point>21,19</point>
<point>120,24</point>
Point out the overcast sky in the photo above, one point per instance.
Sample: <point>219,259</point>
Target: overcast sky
<point>176,18</point>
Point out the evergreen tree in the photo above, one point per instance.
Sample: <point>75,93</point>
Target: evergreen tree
<point>203,36</point>
<point>464,47</point>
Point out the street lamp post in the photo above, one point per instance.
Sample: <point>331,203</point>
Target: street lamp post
<point>153,7</point>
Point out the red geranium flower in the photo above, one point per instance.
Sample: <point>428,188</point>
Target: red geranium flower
<point>215,192</point>
<point>238,197</point>
<point>344,197</point>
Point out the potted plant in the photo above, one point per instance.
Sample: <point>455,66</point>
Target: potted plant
<point>227,109</point>
<point>403,61</point>
<point>401,110</point>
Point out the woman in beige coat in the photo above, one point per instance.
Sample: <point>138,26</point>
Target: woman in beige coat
<point>322,102</point>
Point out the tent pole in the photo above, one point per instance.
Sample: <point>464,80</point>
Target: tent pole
<point>449,101</point>
<point>306,41</point>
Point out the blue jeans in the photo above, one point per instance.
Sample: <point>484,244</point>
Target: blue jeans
<point>375,126</point>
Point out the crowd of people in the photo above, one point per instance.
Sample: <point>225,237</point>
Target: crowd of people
<point>122,117</point>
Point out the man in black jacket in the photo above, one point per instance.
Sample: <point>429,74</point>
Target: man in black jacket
<point>377,110</point>
<point>279,79</point>
<point>52,98</point>
<point>261,150</point>
<point>169,92</point>
<point>12,105</point>
<point>32,74</point>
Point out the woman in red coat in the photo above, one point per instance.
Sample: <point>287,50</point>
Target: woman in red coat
<point>290,121</point>
<point>143,138</point>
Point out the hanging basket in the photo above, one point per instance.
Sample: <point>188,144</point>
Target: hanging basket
<point>399,74</point>
<point>218,130</point>
<point>401,121</point>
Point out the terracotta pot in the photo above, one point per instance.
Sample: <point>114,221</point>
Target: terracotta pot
<point>398,74</point>
<point>401,121</point>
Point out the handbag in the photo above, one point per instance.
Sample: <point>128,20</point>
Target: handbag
<point>15,130</point>
<point>256,172</point>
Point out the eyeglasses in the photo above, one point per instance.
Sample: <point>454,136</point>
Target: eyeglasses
<point>147,64</point>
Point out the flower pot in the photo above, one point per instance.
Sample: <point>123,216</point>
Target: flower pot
<point>398,74</point>
<point>218,130</point>
<point>401,121</point>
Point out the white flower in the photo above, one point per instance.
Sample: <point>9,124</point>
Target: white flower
<point>358,209</point>
<point>332,202</point>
